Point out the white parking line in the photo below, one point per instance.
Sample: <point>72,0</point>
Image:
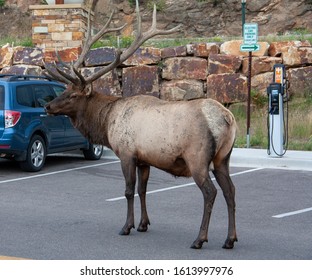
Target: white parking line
<point>184,185</point>
<point>292,213</point>
<point>57,172</point>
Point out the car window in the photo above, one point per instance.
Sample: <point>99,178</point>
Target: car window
<point>24,96</point>
<point>43,94</point>
<point>58,90</point>
<point>1,97</point>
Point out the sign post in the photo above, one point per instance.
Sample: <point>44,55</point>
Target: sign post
<point>243,15</point>
<point>250,44</point>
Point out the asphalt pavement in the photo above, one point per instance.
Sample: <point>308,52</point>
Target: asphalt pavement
<point>74,209</point>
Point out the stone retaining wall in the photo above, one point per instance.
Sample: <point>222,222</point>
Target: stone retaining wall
<point>177,73</point>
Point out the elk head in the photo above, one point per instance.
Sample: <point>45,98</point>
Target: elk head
<point>71,101</point>
<point>80,87</point>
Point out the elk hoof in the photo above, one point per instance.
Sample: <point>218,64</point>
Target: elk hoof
<point>229,243</point>
<point>197,244</point>
<point>143,227</point>
<point>125,231</point>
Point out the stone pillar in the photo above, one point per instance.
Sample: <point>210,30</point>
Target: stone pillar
<point>58,26</point>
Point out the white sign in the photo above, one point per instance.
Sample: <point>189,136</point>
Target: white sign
<point>250,33</point>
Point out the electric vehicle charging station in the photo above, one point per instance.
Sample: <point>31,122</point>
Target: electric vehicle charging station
<point>277,130</point>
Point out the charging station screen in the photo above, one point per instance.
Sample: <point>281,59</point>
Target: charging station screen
<point>279,75</point>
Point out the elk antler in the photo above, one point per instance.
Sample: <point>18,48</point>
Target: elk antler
<point>75,76</point>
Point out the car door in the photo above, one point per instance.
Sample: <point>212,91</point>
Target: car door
<point>73,138</point>
<point>54,125</point>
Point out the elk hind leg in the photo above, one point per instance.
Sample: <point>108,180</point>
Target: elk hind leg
<point>129,169</point>
<point>221,172</point>
<point>143,175</point>
<point>209,192</point>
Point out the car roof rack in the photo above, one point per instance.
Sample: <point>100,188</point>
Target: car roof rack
<point>12,77</point>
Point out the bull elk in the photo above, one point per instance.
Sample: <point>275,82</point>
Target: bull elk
<point>183,138</point>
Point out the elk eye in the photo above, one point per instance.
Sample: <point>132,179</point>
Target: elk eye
<point>73,96</point>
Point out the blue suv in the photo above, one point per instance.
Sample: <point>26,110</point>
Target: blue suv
<point>27,133</point>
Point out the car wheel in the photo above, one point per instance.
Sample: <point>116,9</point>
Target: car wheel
<point>94,152</point>
<point>36,155</point>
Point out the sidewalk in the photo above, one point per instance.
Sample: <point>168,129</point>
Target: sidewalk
<point>243,157</point>
<point>296,160</point>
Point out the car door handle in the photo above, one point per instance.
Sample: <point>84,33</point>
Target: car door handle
<point>43,115</point>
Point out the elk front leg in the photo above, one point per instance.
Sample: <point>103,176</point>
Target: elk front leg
<point>128,169</point>
<point>143,175</point>
<point>209,192</point>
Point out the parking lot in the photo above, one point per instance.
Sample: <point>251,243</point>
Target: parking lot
<point>74,209</point>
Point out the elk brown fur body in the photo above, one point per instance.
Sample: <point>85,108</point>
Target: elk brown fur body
<point>182,138</point>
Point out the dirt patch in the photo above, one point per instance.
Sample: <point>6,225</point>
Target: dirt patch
<point>198,18</point>
<point>15,23</point>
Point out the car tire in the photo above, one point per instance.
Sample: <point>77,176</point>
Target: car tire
<point>94,152</point>
<point>36,155</point>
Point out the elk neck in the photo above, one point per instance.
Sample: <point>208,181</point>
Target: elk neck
<point>91,119</point>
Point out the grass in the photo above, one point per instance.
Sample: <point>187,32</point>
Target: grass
<point>299,124</point>
<point>24,42</point>
<point>125,41</point>
<point>174,42</point>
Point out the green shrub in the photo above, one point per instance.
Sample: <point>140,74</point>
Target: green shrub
<point>308,96</point>
<point>132,3</point>
<point>160,5</point>
<point>258,99</point>
<point>214,2</point>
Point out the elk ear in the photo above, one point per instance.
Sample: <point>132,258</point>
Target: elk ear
<point>88,90</point>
